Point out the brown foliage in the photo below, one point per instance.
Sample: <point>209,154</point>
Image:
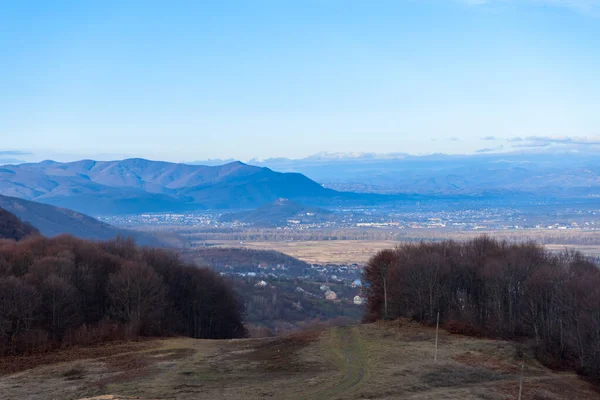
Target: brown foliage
<point>64,291</point>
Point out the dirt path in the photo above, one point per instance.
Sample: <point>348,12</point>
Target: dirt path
<point>346,343</point>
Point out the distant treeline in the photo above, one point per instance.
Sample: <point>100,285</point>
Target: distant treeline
<point>561,237</point>
<point>267,234</point>
<point>63,291</point>
<point>492,288</point>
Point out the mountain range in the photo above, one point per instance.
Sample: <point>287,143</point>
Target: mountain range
<point>135,186</point>
<point>139,185</point>
<point>560,174</point>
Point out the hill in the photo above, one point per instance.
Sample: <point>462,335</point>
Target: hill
<point>11,227</point>
<point>138,185</point>
<point>381,361</point>
<point>278,213</point>
<point>222,258</point>
<point>52,221</point>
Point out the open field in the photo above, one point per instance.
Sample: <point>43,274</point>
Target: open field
<point>359,251</point>
<point>391,360</point>
<point>323,251</point>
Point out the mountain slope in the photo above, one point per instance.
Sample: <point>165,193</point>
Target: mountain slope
<point>11,227</point>
<point>52,221</point>
<point>138,185</point>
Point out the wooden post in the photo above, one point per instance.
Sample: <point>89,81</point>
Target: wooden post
<point>521,381</point>
<point>437,329</point>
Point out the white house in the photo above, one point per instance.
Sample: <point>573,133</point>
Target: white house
<point>330,295</point>
<point>358,300</point>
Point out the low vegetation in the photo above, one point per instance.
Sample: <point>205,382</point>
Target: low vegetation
<point>492,288</point>
<point>63,291</point>
<point>384,360</point>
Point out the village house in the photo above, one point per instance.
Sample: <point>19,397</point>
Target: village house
<point>330,295</point>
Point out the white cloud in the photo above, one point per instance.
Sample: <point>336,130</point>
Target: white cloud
<point>557,142</point>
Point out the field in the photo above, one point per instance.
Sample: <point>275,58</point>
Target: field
<point>323,251</point>
<point>392,360</point>
<point>359,251</point>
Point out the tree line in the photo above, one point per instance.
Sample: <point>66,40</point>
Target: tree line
<point>497,289</point>
<point>61,291</point>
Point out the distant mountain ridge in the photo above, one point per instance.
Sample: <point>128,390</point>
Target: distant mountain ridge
<point>560,174</point>
<point>139,185</point>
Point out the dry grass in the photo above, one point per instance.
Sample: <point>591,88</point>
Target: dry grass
<point>10,365</point>
<point>322,252</point>
<point>385,360</point>
<point>359,251</point>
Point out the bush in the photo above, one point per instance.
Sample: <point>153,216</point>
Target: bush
<point>463,328</point>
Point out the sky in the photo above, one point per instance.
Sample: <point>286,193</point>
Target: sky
<point>193,80</point>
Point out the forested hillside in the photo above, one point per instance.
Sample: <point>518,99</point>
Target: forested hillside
<point>281,307</point>
<point>63,291</point>
<point>11,227</point>
<point>491,288</point>
<point>52,221</point>
<point>222,258</point>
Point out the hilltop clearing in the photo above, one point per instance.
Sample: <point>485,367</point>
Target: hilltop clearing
<point>385,360</point>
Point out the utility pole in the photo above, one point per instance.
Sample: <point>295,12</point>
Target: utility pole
<point>437,329</point>
<point>521,381</point>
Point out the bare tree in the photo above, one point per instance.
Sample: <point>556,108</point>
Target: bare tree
<point>136,295</point>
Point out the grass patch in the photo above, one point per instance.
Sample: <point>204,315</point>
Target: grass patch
<point>13,364</point>
<point>456,375</point>
<point>74,373</point>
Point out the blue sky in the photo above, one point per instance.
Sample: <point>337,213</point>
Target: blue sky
<point>189,80</point>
